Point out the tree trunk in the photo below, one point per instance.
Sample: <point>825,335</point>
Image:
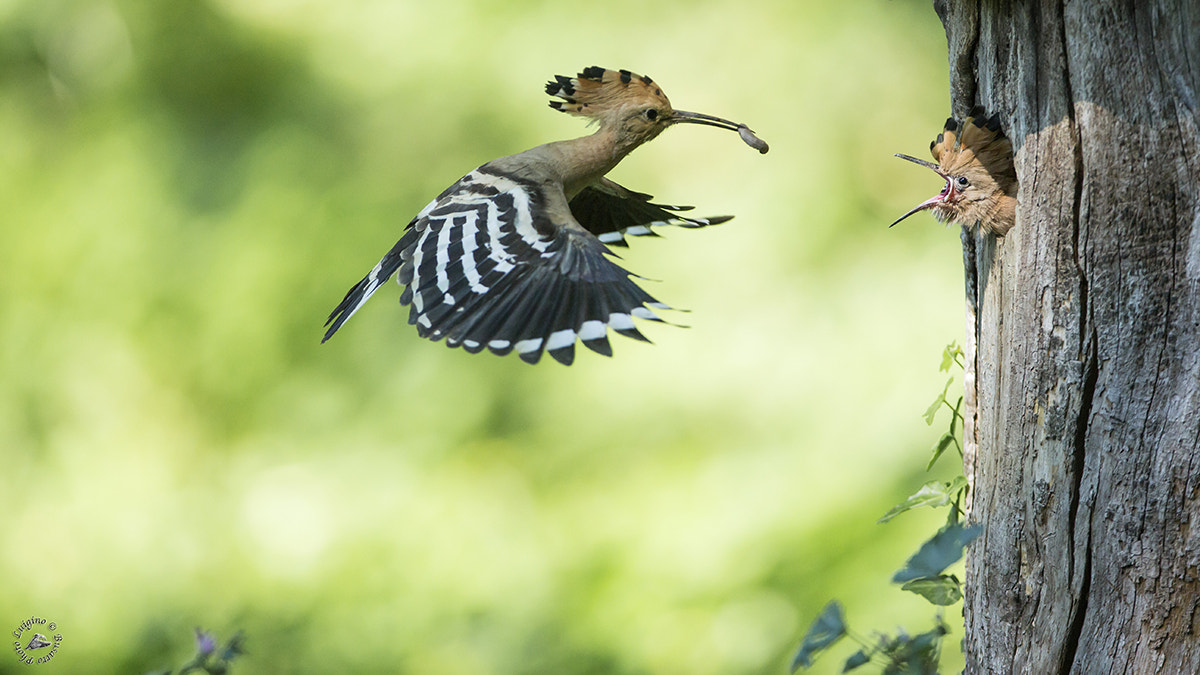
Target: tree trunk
<point>1084,444</point>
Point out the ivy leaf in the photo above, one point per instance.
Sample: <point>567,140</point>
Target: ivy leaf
<point>934,493</point>
<point>957,485</point>
<point>937,403</point>
<point>856,660</point>
<point>957,415</point>
<point>944,442</point>
<point>918,655</point>
<point>943,550</point>
<point>950,356</point>
<point>942,590</point>
<point>828,628</point>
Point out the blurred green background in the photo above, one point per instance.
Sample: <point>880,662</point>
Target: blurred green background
<point>188,187</point>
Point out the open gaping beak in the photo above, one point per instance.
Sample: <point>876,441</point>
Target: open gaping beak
<point>682,116</point>
<point>932,201</point>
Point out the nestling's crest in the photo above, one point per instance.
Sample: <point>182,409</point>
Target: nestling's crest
<point>975,159</point>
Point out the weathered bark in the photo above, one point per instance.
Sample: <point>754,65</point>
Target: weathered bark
<point>1085,442</point>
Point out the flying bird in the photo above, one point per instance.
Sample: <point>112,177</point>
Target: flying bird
<point>514,256</point>
<point>976,160</point>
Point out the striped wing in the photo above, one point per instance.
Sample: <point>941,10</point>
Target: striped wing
<point>486,265</point>
<point>612,212</point>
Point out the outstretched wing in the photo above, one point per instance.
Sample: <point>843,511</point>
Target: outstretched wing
<point>496,262</point>
<point>359,293</point>
<point>611,212</point>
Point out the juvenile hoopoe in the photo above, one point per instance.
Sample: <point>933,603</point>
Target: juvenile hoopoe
<point>976,161</point>
<point>512,257</point>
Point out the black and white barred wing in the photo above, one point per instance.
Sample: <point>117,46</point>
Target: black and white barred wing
<point>612,212</point>
<point>491,264</point>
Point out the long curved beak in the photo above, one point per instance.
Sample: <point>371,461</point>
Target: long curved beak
<point>685,117</point>
<point>700,118</point>
<point>925,163</point>
<point>928,203</point>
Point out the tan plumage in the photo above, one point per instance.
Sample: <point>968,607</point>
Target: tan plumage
<point>514,256</point>
<point>630,106</point>
<point>596,91</point>
<point>975,159</point>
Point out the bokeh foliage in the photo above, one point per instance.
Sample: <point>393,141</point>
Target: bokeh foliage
<point>188,188</point>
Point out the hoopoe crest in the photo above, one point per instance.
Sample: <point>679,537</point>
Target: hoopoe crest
<point>514,255</point>
<point>976,160</point>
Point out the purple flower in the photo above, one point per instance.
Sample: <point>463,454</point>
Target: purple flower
<point>206,643</point>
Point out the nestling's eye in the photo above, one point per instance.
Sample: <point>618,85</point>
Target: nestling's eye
<point>650,114</point>
<point>962,182</point>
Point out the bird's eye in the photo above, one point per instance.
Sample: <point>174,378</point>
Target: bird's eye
<point>962,182</point>
<point>650,114</point>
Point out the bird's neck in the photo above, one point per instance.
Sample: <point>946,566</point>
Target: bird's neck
<point>580,162</point>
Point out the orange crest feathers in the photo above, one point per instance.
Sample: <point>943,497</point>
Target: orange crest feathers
<point>976,139</point>
<point>597,90</point>
<point>976,160</point>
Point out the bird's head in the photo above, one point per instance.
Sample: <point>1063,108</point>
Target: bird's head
<point>975,160</point>
<point>633,105</point>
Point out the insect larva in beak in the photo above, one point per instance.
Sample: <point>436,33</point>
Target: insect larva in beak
<point>753,141</point>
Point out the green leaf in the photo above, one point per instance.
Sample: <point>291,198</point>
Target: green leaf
<point>934,493</point>
<point>828,628</point>
<point>950,356</point>
<point>944,442</point>
<point>920,654</point>
<point>947,359</point>
<point>943,590</point>
<point>856,660</point>
<point>235,647</point>
<point>943,550</point>
<point>955,418</point>
<point>957,487</point>
<point>933,408</point>
<point>958,484</point>
<point>916,655</point>
<point>925,647</point>
<point>937,403</point>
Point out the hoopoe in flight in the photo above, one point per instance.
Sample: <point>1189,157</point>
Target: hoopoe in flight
<point>513,256</point>
<point>976,161</point>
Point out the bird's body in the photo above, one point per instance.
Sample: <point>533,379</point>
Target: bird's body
<point>976,161</point>
<point>513,256</point>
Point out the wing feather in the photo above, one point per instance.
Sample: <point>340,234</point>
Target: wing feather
<point>612,212</point>
<point>502,263</point>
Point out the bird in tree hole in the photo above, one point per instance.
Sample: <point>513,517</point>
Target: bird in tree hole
<point>976,160</point>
